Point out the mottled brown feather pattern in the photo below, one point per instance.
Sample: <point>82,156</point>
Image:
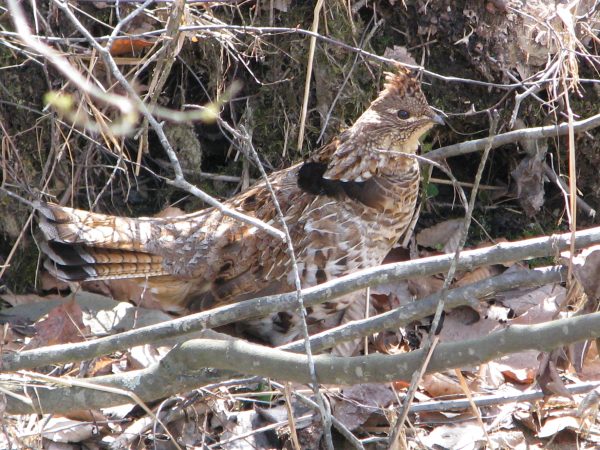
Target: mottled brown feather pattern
<point>345,207</point>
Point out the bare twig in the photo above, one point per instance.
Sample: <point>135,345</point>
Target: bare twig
<point>309,68</point>
<point>562,185</point>
<point>579,126</point>
<point>344,431</point>
<point>245,139</point>
<point>572,207</point>
<point>497,399</point>
<point>162,70</point>
<point>128,105</point>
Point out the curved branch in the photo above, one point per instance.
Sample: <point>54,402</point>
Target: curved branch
<point>426,306</point>
<point>513,251</point>
<point>186,366</point>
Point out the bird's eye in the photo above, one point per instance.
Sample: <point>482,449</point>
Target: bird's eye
<point>403,114</point>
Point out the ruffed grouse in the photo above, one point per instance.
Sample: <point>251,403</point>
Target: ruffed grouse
<point>345,207</point>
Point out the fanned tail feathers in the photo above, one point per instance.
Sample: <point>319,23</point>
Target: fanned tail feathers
<point>82,245</point>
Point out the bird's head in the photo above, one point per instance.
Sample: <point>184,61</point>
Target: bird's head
<point>400,115</point>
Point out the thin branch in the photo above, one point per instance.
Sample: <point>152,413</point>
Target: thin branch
<point>562,185</point>
<point>263,31</point>
<point>127,105</point>
<point>497,399</point>
<point>433,338</point>
<point>344,431</point>
<point>309,69</point>
<point>162,69</point>
<point>503,252</point>
<point>579,126</point>
<point>193,363</point>
<point>325,414</point>
<point>404,315</point>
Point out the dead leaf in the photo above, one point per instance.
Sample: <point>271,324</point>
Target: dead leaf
<point>464,436</point>
<point>389,296</point>
<point>548,377</point>
<point>591,364</point>
<point>421,287</point>
<point>101,366</point>
<point>520,376</point>
<point>142,356</point>
<point>586,267</point>
<point>129,46</point>
<point>491,375</point>
<point>440,385</point>
<point>444,236</point>
<point>534,306</point>
<point>400,54</point>
<point>359,402</point>
<point>63,324</point>
<point>244,423</point>
<point>529,179</point>
<point>589,405</point>
<point>537,305</point>
<point>400,384</point>
<point>555,425</point>
<point>508,439</point>
<point>461,324</point>
<point>61,429</point>
<point>87,415</point>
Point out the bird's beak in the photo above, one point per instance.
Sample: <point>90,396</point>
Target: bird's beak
<point>437,119</point>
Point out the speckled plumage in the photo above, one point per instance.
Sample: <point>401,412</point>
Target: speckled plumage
<point>345,207</point>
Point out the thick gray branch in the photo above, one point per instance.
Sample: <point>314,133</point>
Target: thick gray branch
<point>185,367</point>
<point>514,251</point>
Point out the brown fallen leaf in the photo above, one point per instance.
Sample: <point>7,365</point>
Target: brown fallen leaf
<point>357,403</point>
<point>130,46</point>
<point>555,425</point>
<point>537,305</point>
<point>63,430</point>
<point>548,377</point>
<point>586,267</point>
<point>61,325</point>
<point>519,376</point>
<point>423,286</point>
<point>465,435</point>
<point>443,236</point>
<point>440,385</point>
